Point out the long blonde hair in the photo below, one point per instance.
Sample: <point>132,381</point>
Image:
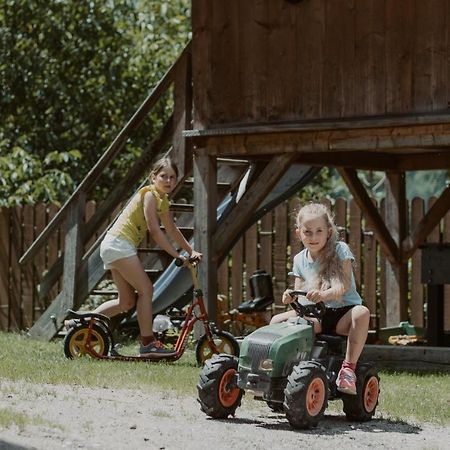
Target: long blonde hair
<point>330,273</point>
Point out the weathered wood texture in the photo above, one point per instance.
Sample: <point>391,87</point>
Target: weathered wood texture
<point>262,60</point>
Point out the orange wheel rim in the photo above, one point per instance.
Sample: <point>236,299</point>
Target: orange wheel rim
<point>371,394</point>
<point>315,397</point>
<point>228,394</point>
<point>79,341</point>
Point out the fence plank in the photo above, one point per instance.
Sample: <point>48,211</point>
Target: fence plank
<point>383,289</point>
<point>340,218</point>
<point>236,273</point>
<point>15,315</point>
<point>266,242</point>
<point>53,248</point>
<point>40,217</point>
<point>370,282</point>
<point>354,240</point>
<point>4,268</point>
<point>251,252</point>
<point>446,238</point>
<point>417,293</point>
<point>223,279</point>
<point>279,252</point>
<point>28,268</point>
<point>295,243</point>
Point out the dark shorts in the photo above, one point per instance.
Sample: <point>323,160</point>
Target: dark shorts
<point>332,317</point>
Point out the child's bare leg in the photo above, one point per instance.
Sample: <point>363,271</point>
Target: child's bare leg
<point>125,301</point>
<point>354,324</point>
<point>282,317</point>
<point>131,271</point>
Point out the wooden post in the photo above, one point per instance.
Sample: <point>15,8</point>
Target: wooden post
<point>52,319</point>
<point>182,149</point>
<point>205,218</point>
<point>396,272</point>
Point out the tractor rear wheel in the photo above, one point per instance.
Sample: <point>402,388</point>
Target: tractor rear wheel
<point>218,394</point>
<point>361,407</point>
<point>306,395</point>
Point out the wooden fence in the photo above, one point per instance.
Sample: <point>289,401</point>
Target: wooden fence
<point>270,245</point>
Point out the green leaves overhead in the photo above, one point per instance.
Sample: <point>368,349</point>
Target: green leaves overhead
<point>72,73</point>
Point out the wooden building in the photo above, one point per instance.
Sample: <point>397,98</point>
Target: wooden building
<point>352,84</point>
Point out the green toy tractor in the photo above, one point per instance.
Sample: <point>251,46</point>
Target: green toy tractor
<point>290,369</point>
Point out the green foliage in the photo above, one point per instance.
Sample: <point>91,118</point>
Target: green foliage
<point>72,74</point>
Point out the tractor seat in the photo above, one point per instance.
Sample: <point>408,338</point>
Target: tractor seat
<point>256,305</point>
<point>336,343</point>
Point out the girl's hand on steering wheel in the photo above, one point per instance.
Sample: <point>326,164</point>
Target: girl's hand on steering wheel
<point>287,298</point>
<point>314,296</point>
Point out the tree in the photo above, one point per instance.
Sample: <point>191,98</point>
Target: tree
<point>72,73</point>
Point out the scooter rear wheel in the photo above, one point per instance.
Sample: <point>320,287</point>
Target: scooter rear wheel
<point>224,341</point>
<point>75,342</point>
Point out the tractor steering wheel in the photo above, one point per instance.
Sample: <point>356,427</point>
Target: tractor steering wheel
<point>316,310</point>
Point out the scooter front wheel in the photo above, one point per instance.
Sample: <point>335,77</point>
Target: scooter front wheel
<point>225,343</point>
<point>76,340</point>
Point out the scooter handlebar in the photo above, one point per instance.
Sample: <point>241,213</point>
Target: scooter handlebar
<point>179,262</point>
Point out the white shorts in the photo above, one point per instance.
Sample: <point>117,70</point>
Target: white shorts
<point>114,248</point>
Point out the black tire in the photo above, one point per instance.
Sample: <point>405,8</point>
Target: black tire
<point>218,394</point>
<point>225,343</point>
<point>306,395</point>
<point>275,406</point>
<point>361,407</point>
<point>75,341</point>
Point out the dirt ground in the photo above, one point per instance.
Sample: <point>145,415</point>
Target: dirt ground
<point>87,418</point>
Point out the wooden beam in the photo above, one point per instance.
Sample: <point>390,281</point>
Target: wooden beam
<point>387,243</point>
<point>253,196</point>
<point>365,160</point>
<point>205,218</point>
<point>396,271</point>
<point>426,224</point>
<point>362,122</point>
<point>182,149</point>
<point>52,318</point>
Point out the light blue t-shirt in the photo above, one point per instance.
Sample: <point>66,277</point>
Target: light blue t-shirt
<point>307,270</point>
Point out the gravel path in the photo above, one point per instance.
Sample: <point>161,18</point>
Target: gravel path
<point>94,418</point>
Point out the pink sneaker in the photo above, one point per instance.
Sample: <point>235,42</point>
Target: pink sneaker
<point>346,381</point>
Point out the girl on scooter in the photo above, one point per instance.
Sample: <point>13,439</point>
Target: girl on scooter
<point>324,269</point>
<point>118,250</point>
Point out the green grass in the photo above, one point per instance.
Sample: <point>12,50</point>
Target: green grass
<point>44,362</point>
<point>404,397</point>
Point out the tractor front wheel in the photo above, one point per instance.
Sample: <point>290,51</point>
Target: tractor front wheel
<point>306,395</point>
<point>218,394</point>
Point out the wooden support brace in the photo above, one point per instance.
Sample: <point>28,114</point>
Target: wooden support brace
<point>230,227</point>
<point>426,225</point>
<point>51,320</point>
<point>366,205</point>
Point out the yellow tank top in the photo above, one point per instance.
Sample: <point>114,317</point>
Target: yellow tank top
<point>131,224</point>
